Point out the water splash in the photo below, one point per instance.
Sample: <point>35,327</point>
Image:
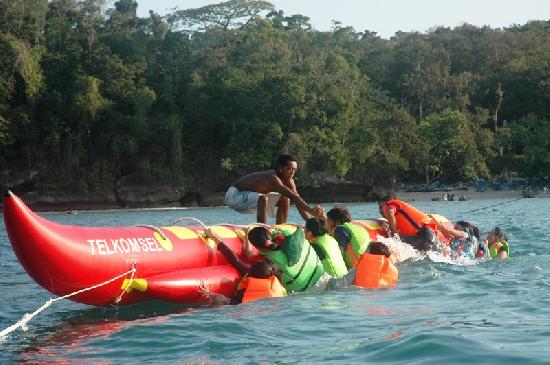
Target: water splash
<point>403,251</point>
<point>436,256</point>
<point>322,283</point>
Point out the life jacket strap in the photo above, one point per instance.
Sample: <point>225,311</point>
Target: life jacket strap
<point>409,218</point>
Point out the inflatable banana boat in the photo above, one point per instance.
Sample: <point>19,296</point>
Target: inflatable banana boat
<point>171,263</point>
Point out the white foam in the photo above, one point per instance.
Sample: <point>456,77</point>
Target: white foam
<point>459,261</point>
<point>403,251</point>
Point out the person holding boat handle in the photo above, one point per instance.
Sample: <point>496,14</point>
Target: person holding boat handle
<point>269,193</point>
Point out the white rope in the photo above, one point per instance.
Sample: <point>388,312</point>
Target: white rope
<point>26,318</point>
<point>119,298</point>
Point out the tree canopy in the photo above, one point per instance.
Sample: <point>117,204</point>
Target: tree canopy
<point>92,97</point>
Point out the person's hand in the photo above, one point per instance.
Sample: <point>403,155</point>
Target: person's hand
<point>319,211</point>
<point>208,232</point>
<point>210,297</point>
<point>385,226</point>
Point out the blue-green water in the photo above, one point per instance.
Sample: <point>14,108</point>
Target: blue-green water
<point>493,312</point>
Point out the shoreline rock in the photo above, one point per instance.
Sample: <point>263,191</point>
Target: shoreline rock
<point>169,196</point>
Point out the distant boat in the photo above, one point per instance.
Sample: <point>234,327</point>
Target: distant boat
<point>530,193</point>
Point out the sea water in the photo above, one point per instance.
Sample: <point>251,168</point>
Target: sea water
<point>494,312</point>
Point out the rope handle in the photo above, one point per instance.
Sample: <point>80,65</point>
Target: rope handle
<point>154,228</point>
<point>188,219</point>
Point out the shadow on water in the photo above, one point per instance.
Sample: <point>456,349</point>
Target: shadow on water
<point>73,330</point>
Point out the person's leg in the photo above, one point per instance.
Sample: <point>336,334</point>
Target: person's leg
<point>243,202</point>
<point>261,209</point>
<point>282,212</point>
<point>343,282</point>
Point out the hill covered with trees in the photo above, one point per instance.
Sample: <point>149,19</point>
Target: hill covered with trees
<point>96,99</point>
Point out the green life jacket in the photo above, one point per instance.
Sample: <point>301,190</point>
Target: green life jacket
<point>303,274</point>
<point>357,246</point>
<point>328,251</point>
<point>495,248</point>
<point>291,245</point>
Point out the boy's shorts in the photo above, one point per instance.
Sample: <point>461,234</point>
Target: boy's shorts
<point>247,201</point>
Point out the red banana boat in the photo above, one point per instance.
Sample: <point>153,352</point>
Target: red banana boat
<point>171,263</point>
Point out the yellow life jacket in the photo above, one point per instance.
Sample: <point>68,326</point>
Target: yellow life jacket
<point>357,246</point>
<point>329,253</point>
<point>495,248</point>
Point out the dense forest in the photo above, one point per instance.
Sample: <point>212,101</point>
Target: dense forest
<point>94,97</point>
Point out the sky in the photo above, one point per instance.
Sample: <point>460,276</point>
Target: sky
<point>389,16</point>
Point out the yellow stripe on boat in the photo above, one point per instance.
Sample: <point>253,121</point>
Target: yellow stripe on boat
<point>183,233</point>
<point>371,224</point>
<point>163,241</point>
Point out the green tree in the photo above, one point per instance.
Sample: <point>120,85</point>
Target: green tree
<point>530,142</point>
<point>227,15</point>
<point>451,149</point>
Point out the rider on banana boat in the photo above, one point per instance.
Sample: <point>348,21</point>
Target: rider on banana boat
<point>411,225</point>
<point>260,280</point>
<point>269,193</point>
<point>292,253</point>
<point>374,270</point>
<point>326,247</point>
<point>352,239</point>
<point>465,241</point>
<point>498,244</point>
<point>263,281</point>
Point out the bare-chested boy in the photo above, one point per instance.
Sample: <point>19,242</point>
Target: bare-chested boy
<point>263,191</point>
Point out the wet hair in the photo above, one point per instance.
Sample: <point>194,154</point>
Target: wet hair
<point>470,228</point>
<point>264,270</point>
<point>378,248</point>
<point>499,234</point>
<point>283,160</point>
<point>339,215</point>
<point>258,236</point>
<point>386,198</point>
<point>316,226</point>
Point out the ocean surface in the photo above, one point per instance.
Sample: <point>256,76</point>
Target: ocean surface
<point>493,312</point>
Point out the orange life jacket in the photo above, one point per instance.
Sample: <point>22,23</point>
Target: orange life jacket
<point>262,288</point>
<point>375,271</point>
<point>408,219</point>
